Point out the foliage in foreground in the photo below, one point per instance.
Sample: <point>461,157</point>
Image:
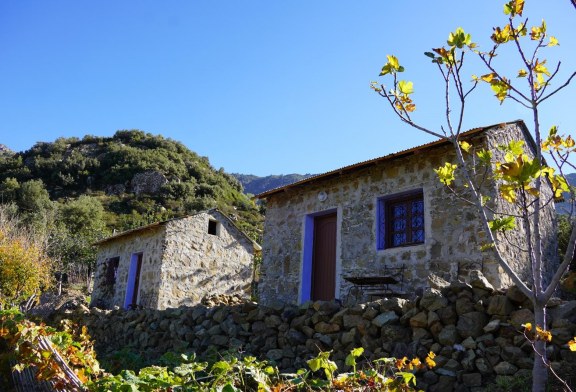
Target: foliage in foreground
<point>19,339</point>
<point>24,264</point>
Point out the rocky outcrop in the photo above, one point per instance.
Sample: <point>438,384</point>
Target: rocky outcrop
<point>475,334</point>
<point>148,182</point>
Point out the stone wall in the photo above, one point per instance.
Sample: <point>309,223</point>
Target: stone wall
<point>453,233</point>
<point>197,264</point>
<point>474,330</point>
<point>182,263</point>
<point>151,243</point>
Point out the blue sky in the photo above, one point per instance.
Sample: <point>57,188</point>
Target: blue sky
<point>258,86</point>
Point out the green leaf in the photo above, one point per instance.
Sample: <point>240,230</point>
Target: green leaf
<point>459,38</point>
<point>503,224</point>
<point>485,156</point>
<point>314,364</point>
<point>516,147</point>
<point>392,66</point>
<point>500,89</point>
<point>429,54</point>
<point>229,388</point>
<point>357,351</point>
<point>407,378</point>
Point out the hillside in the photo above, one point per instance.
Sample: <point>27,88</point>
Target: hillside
<point>137,177</point>
<point>255,185</point>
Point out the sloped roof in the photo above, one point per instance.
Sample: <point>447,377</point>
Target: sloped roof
<point>157,225</point>
<point>393,156</point>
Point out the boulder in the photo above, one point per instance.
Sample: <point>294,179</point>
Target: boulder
<point>432,299</point>
<point>500,305</point>
<point>479,281</point>
<point>385,318</point>
<point>437,282</point>
<point>505,369</point>
<point>521,316</point>
<point>492,326</point>
<point>567,311</point>
<point>471,324</point>
<point>449,336</point>
<point>419,320</point>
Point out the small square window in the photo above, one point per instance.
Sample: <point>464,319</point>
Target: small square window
<point>212,227</point>
<point>401,220</point>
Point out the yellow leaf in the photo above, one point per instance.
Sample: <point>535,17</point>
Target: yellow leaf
<point>572,344</point>
<point>406,87</point>
<point>541,68</point>
<point>393,61</point>
<point>553,41</point>
<point>430,359</point>
<point>522,73</point>
<point>465,146</point>
<point>501,36</point>
<point>508,192</point>
<point>446,173</point>
<point>527,327</point>
<point>543,334</point>
<point>538,32</point>
<point>488,77</point>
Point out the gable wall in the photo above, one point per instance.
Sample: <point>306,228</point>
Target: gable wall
<point>511,244</point>
<point>197,264</point>
<point>150,243</point>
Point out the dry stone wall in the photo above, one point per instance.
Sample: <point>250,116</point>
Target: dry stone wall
<point>474,330</point>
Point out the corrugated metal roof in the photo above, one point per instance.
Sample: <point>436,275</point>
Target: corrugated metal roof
<point>396,155</point>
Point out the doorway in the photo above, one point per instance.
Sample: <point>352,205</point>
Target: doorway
<point>323,285</point>
<point>133,285</point>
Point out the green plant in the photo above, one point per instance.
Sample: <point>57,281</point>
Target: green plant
<point>65,358</point>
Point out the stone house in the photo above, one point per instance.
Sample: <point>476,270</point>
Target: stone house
<point>386,214</point>
<point>173,263</point>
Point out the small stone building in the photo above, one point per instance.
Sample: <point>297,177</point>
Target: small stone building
<point>323,230</point>
<point>173,263</point>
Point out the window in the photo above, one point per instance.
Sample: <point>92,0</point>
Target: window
<point>111,270</point>
<point>401,220</point>
<point>212,227</point>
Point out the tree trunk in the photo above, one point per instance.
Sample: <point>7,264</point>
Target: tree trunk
<point>539,370</point>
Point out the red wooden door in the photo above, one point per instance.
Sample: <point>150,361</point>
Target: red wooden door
<point>324,258</point>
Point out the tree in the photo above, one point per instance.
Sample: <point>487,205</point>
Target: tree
<point>79,223</point>
<point>35,205</point>
<point>520,175</point>
<point>25,268</point>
